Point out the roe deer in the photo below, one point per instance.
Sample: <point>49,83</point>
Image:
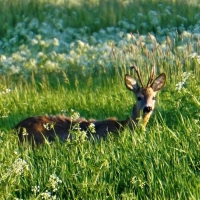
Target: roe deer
<point>39,128</point>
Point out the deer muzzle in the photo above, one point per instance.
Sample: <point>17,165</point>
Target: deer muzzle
<point>147,109</point>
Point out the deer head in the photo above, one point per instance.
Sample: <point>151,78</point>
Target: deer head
<point>145,95</point>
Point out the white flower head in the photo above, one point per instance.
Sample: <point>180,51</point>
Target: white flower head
<point>91,128</point>
<point>46,195</point>
<point>56,42</point>
<point>74,115</point>
<point>54,182</point>
<point>34,41</point>
<point>35,189</point>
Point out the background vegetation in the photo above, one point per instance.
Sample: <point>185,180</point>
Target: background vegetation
<point>55,57</point>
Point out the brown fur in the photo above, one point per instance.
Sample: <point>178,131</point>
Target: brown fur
<point>37,129</point>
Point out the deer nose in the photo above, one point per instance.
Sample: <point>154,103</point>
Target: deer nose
<point>147,109</point>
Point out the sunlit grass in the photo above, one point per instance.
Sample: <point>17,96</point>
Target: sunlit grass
<point>55,57</point>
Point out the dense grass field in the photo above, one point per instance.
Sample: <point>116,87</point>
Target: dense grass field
<point>70,57</point>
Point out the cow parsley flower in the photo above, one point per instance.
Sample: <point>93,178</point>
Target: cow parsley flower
<point>184,77</point>
<point>74,115</point>
<point>18,168</point>
<point>54,182</point>
<point>35,189</point>
<point>46,195</point>
<point>91,128</point>
<point>55,42</point>
<point>34,41</point>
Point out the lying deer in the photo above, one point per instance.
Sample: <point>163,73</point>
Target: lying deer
<point>39,128</point>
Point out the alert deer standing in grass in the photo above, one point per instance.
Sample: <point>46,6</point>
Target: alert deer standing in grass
<point>39,128</point>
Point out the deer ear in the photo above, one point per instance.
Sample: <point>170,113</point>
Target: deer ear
<point>131,83</point>
<point>159,82</point>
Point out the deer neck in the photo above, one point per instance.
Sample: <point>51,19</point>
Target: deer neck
<point>136,118</point>
<point>135,114</point>
<point>145,119</point>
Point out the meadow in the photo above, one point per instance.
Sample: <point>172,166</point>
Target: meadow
<point>70,58</point>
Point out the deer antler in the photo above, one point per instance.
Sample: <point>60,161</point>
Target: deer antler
<point>138,74</point>
<point>151,76</point>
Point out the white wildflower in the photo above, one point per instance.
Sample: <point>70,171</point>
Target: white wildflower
<point>83,136</point>
<point>64,112</point>
<point>43,43</point>
<point>16,57</point>
<point>179,86</point>
<point>38,37</point>
<point>61,57</point>
<point>128,36</point>
<point>2,58</point>
<point>193,55</point>
<point>35,189</point>
<point>18,168</point>
<point>5,91</point>
<point>34,41</point>
<point>184,77</point>
<point>1,133</point>
<point>74,115</point>
<point>54,182</point>
<point>41,55</point>
<point>80,43</point>
<point>55,42</point>
<point>134,180</point>
<point>48,126</point>
<point>51,65</point>
<point>138,182</point>
<point>32,62</point>
<point>186,34</point>
<point>91,128</point>
<point>46,195</point>
<point>24,132</point>
<point>196,56</point>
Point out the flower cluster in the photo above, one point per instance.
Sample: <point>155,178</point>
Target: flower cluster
<point>138,182</point>
<point>184,77</point>
<point>54,182</point>
<point>47,195</point>
<point>18,168</point>
<point>54,47</point>
<point>91,128</point>
<point>52,187</point>
<point>74,115</point>
<point>35,190</point>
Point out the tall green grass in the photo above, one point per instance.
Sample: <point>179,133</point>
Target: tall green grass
<point>161,162</point>
<point>99,14</point>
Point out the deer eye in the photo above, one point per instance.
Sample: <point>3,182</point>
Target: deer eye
<point>139,98</point>
<point>154,98</point>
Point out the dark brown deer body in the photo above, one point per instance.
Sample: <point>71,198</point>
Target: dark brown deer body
<point>39,128</point>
